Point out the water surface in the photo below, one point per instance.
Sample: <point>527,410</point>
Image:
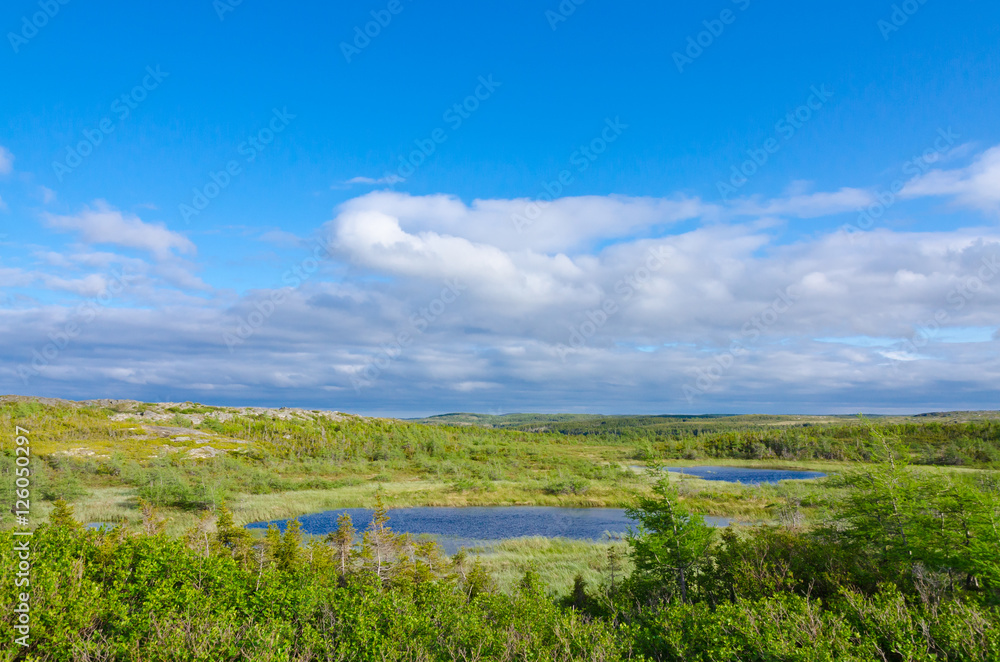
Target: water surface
<point>746,475</point>
<point>455,527</point>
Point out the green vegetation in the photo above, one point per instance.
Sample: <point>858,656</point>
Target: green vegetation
<point>557,562</point>
<point>956,438</point>
<point>211,596</point>
<point>268,464</point>
<point>895,556</point>
<point>907,569</point>
<point>279,463</point>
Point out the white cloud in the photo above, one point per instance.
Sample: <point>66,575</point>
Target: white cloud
<point>523,224</point>
<point>479,354</point>
<point>89,286</point>
<point>977,185</point>
<point>14,277</point>
<point>105,225</point>
<point>375,240</point>
<point>849,339</point>
<point>388,180</point>
<point>6,161</point>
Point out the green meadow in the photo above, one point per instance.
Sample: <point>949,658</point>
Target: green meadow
<point>266,464</point>
<point>893,555</point>
<point>104,456</point>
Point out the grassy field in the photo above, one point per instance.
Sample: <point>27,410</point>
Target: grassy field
<point>265,464</point>
<point>558,562</point>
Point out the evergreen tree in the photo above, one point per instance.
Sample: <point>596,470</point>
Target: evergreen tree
<point>62,516</point>
<point>378,542</point>
<point>288,551</point>
<point>342,541</point>
<point>670,544</point>
<point>235,539</point>
<point>271,547</point>
<point>879,518</point>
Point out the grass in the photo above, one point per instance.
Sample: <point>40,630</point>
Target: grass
<point>557,561</point>
<point>276,464</point>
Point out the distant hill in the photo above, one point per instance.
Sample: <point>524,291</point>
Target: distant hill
<point>676,424</point>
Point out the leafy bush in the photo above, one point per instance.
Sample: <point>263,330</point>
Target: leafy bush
<point>65,485</point>
<point>570,486</point>
<point>213,597</point>
<point>165,485</point>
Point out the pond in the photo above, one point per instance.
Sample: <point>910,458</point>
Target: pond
<point>455,527</point>
<point>746,475</point>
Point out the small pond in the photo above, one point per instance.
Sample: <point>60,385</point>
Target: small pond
<point>455,528</point>
<point>746,475</point>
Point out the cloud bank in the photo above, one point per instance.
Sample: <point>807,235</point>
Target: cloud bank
<point>416,304</point>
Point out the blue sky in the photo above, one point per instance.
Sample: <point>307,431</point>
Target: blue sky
<point>871,208</point>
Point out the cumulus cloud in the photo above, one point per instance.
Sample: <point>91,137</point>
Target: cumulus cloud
<point>976,186</point>
<point>523,224</point>
<point>606,303</point>
<point>105,225</point>
<point>376,240</point>
<point>859,329</point>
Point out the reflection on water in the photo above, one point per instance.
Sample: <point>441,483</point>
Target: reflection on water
<point>482,526</point>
